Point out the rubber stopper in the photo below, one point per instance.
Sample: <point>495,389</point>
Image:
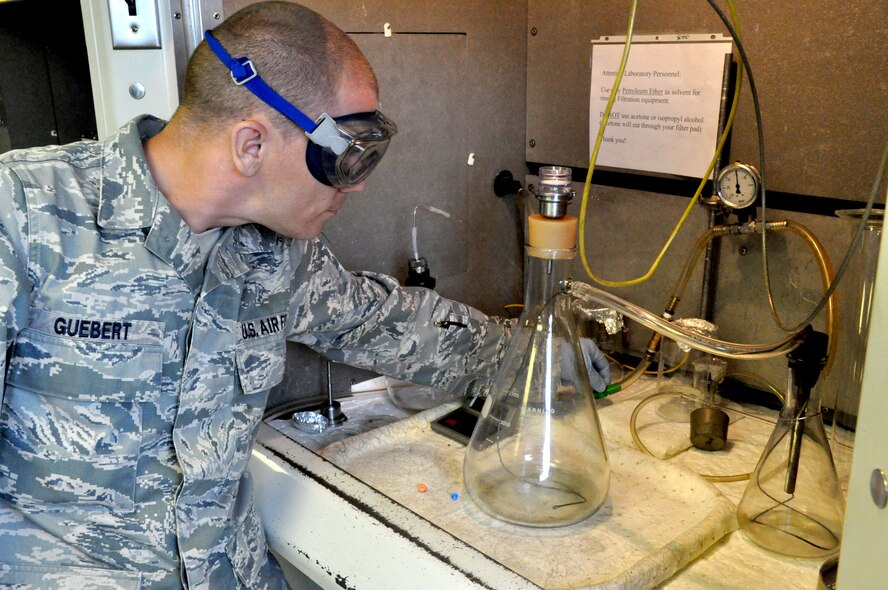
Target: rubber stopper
<point>552,234</point>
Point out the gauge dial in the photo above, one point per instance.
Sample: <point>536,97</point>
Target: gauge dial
<point>738,185</point>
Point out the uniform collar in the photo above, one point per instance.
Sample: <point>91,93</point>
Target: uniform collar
<point>128,196</point>
<point>238,250</point>
<point>130,199</point>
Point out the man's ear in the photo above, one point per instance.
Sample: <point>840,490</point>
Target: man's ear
<point>249,146</point>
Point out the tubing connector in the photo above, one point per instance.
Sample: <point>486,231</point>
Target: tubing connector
<point>749,227</point>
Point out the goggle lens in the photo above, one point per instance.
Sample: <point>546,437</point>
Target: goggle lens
<point>356,164</point>
<point>368,136</point>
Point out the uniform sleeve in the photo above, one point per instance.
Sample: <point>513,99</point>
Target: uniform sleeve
<point>15,286</point>
<point>368,320</point>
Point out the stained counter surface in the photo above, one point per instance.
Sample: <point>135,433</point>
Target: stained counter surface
<point>349,513</point>
<point>734,562</point>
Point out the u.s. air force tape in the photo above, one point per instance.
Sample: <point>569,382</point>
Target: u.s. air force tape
<point>261,327</point>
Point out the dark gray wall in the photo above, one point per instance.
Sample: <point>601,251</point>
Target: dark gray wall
<point>819,67</point>
<point>45,93</point>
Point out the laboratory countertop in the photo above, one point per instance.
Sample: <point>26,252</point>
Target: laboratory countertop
<point>347,512</point>
<point>734,562</point>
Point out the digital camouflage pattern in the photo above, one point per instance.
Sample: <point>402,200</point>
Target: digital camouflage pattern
<point>135,377</point>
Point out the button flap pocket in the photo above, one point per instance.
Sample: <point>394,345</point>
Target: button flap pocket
<point>260,363</point>
<point>94,360</point>
<point>51,577</point>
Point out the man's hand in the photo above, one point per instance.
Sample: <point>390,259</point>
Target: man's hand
<point>596,364</point>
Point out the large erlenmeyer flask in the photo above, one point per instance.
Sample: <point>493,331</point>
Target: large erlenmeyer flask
<point>537,456</point>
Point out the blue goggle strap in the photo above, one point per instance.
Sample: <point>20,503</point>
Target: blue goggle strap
<point>323,132</point>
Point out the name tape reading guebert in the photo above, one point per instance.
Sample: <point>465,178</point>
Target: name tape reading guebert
<point>84,327</point>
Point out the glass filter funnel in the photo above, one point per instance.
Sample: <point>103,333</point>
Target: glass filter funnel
<point>537,455</point>
<point>793,504</point>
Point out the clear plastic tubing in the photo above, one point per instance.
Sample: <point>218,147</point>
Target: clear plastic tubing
<point>823,264</point>
<point>647,319</point>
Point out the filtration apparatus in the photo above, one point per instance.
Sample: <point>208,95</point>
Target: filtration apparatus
<point>537,456</point>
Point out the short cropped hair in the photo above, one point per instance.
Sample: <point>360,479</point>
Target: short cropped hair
<point>300,54</point>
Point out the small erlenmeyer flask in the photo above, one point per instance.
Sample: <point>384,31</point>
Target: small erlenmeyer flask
<point>537,455</point>
<point>793,504</point>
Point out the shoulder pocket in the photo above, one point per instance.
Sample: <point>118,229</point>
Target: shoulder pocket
<point>71,422</point>
<point>260,363</point>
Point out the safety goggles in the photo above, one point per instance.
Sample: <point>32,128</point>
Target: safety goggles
<point>353,146</point>
<point>342,151</point>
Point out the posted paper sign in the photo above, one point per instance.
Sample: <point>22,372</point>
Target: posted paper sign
<point>665,116</point>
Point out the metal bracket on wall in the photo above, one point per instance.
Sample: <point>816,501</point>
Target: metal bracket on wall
<point>200,15</point>
<point>190,18</point>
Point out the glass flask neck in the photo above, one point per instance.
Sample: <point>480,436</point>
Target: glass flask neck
<point>546,271</point>
<point>798,401</point>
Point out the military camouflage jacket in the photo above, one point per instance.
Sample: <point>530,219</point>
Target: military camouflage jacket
<point>135,376</point>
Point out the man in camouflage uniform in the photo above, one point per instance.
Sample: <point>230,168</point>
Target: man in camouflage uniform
<point>147,287</point>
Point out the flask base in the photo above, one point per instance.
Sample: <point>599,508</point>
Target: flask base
<point>560,500</point>
<point>789,532</point>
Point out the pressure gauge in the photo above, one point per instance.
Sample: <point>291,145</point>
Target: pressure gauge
<point>738,185</point>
